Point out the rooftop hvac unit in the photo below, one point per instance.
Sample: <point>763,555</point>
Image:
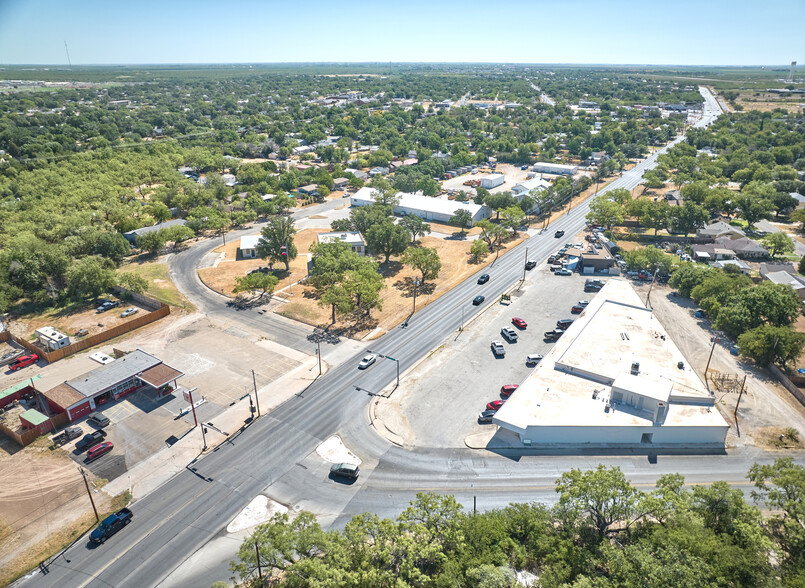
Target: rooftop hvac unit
<point>635,368</point>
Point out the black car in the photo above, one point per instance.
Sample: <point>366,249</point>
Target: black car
<point>483,279</point>
<point>558,234</point>
<point>478,300</point>
<point>344,470</point>
<point>89,440</point>
<point>530,264</point>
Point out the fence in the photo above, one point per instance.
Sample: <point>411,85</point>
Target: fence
<point>161,310</point>
<point>790,385</point>
<point>27,436</point>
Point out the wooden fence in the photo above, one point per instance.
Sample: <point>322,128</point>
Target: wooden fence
<point>160,311</point>
<point>27,436</point>
<point>790,382</point>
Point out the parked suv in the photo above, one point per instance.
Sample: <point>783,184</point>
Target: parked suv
<point>99,420</point>
<point>108,305</point>
<point>497,348</point>
<point>564,324</point>
<point>345,470</point>
<point>509,333</point>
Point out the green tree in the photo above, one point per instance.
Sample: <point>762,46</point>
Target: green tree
<point>766,303</point>
<point>688,217</point>
<point>491,233</point>
<point>415,225</point>
<point>364,284</point>
<point>801,265</point>
<point>649,258</point>
<point>657,216</point>
<point>717,289</point>
<point>639,209</point>
<point>178,234</point>
<point>132,282</point>
<point>423,259</point>
<point>687,275</point>
<point>767,344</point>
<point>461,218</point>
<point>754,202</point>
<point>605,212</point>
<point>781,486</point>
<point>479,249</point>
<point>276,241</point>
<point>499,202</point>
<point>798,216</point>
<point>620,195</point>
<point>282,203</point>
<point>513,217</point>
<point>90,276</point>
<point>152,242</point>
<point>778,243</point>
<point>264,282</point>
<point>387,239</point>
<point>159,211</point>
<point>602,498</point>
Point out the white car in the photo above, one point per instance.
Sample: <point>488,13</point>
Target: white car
<point>130,311</point>
<point>532,359</point>
<point>367,361</point>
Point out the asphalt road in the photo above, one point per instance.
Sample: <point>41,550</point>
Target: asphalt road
<point>276,454</point>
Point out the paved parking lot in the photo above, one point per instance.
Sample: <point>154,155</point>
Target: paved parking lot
<point>462,376</point>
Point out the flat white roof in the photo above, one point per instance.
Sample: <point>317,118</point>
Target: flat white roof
<point>573,383</point>
<point>417,202</point>
<point>492,176</point>
<point>529,185</point>
<point>352,237</point>
<point>555,165</point>
<point>249,241</point>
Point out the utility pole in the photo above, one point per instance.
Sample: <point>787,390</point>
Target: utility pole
<point>461,328</point>
<point>318,352</point>
<point>89,493</point>
<point>259,570</point>
<point>416,285</point>
<point>707,367</point>
<point>256,398</point>
<point>654,277</point>
<point>524,264</point>
<point>192,406</point>
<point>737,404</point>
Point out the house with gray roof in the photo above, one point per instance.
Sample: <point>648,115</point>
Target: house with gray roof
<point>718,229</point>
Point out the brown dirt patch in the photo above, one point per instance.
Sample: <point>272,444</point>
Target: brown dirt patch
<point>629,245</point>
<point>222,277</point>
<point>43,506</point>
<point>397,297</point>
<point>777,438</point>
<point>767,102</point>
<point>450,229</point>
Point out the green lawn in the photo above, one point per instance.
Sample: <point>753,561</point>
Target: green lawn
<point>160,286</point>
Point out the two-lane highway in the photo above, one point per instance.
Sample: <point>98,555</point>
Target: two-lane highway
<point>275,454</point>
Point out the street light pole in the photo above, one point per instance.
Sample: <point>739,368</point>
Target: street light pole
<point>256,398</point>
<point>318,352</point>
<point>524,264</point>
<point>416,285</point>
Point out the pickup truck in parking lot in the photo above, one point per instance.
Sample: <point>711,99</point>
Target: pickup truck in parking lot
<point>111,525</point>
<point>509,333</point>
<point>89,440</point>
<point>553,335</point>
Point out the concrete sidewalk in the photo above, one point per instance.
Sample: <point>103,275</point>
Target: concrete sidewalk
<point>151,473</point>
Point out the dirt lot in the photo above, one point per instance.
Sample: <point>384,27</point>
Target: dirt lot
<point>765,402</point>
<point>222,276</point>
<point>42,492</point>
<point>766,102</point>
<point>71,318</point>
<point>398,295</point>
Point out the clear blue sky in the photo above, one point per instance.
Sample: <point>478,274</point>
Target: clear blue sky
<point>728,32</point>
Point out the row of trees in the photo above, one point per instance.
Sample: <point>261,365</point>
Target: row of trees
<point>760,316</point>
<point>602,532</point>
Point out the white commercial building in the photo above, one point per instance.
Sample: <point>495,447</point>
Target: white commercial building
<point>352,238</point>
<point>429,208</point>
<point>614,379</point>
<point>526,187</point>
<point>555,168</point>
<point>248,246</point>
<point>51,339</point>
<point>492,181</point>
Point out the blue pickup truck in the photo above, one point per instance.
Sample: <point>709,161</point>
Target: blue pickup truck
<point>111,525</point>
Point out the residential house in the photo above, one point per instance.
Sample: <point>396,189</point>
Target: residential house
<point>131,236</point>
<point>361,175</point>
<point>743,247</point>
<point>674,198</point>
<point>248,247</point>
<point>432,209</point>
<point>378,171</point>
<point>309,190</point>
<point>783,277</point>
<point>340,183</point>
<point>718,229</point>
<point>352,238</point>
<point>741,265</point>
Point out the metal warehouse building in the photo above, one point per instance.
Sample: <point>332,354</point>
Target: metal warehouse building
<point>429,208</point>
<point>133,372</point>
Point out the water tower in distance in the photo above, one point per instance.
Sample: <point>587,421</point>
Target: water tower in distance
<point>791,71</point>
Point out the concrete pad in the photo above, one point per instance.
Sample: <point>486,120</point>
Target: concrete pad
<point>258,511</point>
<point>275,347</point>
<point>333,450</point>
<point>480,440</point>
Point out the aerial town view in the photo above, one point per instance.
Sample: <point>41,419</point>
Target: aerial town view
<point>376,295</point>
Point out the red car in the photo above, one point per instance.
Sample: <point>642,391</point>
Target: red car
<point>494,405</point>
<point>577,309</point>
<point>519,323</point>
<point>98,450</point>
<point>23,361</point>
<point>508,390</point>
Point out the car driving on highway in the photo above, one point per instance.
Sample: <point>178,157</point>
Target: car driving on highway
<point>367,361</point>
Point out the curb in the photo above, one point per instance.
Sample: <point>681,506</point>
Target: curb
<point>373,423</point>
